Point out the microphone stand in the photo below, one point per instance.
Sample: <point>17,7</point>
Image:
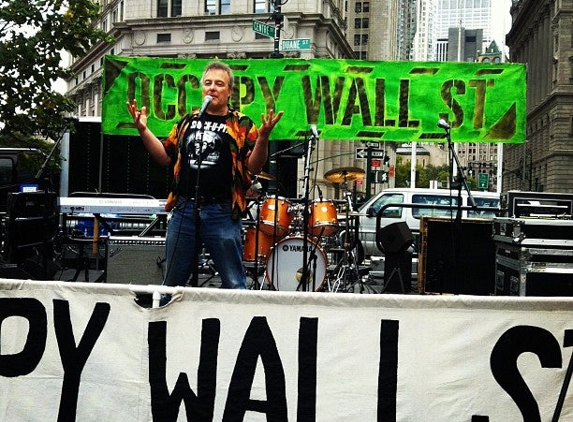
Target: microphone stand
<point>282,151</point>
<point>197,205</point>
<point>309,146</point>
<point>458,181</point>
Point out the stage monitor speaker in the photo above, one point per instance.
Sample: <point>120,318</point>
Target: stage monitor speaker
<point>395,237</point>
<point>136,260</point>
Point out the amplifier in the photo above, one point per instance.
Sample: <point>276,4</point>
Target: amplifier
<point>136,260</point>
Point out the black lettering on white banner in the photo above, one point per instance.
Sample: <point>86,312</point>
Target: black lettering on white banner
<point>24,362</point>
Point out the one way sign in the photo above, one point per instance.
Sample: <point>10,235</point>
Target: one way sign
<point>374,153</point>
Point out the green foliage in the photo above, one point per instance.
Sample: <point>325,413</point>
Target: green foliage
<point>32,36</point>
<point>423,174</point>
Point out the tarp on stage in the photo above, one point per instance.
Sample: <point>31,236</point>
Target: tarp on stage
<point>87,352</point>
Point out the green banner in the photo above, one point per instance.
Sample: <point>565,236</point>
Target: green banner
<point>346,99</point>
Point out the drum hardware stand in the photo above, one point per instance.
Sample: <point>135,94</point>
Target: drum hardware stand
<point>275,236</point>
<point>310,260</point>
<point>255,274</point>
<point>347,274</point>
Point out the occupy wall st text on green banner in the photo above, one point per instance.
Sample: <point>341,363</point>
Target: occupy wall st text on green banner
<point>347,99</point>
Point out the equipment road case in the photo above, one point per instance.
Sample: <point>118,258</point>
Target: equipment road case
<point>534,256</point>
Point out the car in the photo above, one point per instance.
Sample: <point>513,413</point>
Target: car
<point>408,205</point>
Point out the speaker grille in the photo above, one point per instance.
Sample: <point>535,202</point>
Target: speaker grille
<point>136,260</point>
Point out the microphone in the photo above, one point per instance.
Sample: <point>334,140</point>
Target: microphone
<point>314,131</point>
<point>443,124</point>
<point>319,192</point>
<point>206,101</point>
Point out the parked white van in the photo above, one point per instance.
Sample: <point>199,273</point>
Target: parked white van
<point>411,215</point>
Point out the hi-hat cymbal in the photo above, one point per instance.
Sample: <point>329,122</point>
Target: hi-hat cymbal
<point>344,174</point>
<point>266,176</point>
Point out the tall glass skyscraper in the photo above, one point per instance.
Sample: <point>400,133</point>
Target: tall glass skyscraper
<point>466,14</point>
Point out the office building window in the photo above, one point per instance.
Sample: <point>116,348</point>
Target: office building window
<point>212,36</point>
<point>362,7</point>
<point>176,8</point>
<point>163,38</point>
<point>166,8</point>
<point>210,7</point>
<point>162,8</point>
<point>261,6</point>
<point>225,7</point>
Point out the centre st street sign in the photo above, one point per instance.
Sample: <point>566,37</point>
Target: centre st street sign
<point>263,29</point>
<point>296,44</point>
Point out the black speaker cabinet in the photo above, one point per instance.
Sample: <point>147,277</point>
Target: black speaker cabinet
<point>31,225</point>
<point>456,258</point>
<point>395,237</point>
<point>136,260</point>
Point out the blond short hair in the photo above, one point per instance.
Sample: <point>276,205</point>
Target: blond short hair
<point>220,66</point>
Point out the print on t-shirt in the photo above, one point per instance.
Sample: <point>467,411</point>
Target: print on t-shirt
<point>206,143</point>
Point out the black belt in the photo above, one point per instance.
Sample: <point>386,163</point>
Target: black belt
<point>208,200</point>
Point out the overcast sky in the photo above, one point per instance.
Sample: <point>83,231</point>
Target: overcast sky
<point>501,20</point>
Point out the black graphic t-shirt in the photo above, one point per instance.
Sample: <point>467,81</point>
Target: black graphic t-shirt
<point>207,153</point>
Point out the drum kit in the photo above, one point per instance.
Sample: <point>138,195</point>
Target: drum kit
<point>277,242</point>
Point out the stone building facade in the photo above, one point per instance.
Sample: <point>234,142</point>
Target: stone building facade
<point>542,37</point>
<point>224,29</point>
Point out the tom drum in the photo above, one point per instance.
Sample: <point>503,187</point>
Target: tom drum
<point>323,219</point>
<point>276,211</point>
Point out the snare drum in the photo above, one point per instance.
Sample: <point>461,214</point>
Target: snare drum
<point>264,246</point>
<point>323,219</point>
<point>275,210</point>
<point>284,266</point>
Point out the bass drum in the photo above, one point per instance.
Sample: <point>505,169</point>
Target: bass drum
<point>285,265</point>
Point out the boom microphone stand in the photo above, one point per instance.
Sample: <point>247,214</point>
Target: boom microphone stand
<point>309,146</point>
<point>459,181</point>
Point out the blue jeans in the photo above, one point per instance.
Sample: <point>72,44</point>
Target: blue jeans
<point>221,236</point>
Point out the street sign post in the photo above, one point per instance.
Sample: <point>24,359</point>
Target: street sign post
<point>296,44</point>
<point>374,153</point>
<point>483,181</point>
<point>263,29</point>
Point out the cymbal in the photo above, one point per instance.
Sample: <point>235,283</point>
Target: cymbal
<point>265,176</point>
<point>344,174</point>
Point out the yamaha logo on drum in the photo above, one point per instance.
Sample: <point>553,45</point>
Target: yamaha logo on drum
<point>296,248</point>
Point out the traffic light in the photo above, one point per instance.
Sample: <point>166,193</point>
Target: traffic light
<point>381,177</point>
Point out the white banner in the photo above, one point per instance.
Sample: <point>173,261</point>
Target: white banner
<point>85,352</point>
